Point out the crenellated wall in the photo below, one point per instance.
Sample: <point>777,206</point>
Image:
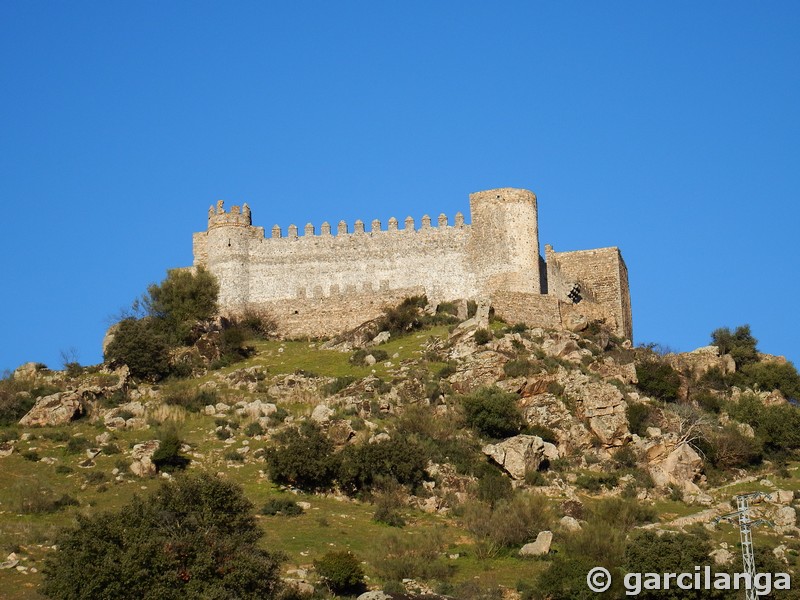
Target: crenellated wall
<point>322,282</point>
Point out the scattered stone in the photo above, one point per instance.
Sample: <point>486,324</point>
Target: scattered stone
<point>570,523</point>
<point>540,546</point>
<point>142,465</point>
<point>321,414</point>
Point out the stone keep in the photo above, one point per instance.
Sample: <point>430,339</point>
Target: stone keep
<point>320,284</point>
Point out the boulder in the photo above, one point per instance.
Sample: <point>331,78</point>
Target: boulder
<point>374,595</point>
<point>6,449</point>
<point>540,547</point>
<point>340,432</point>
<point>321,414</point>
<point>570,523</point>
<point>785,517</point>
<point>599,404</point>
<point>381,338</point>
<point>722,556</point>
<point>55,409</point>
<point>519,454</point>
<point>28,371</point>
<point>678,465</point>
<point>142,454</point>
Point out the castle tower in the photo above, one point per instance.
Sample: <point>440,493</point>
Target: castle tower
<point>227,250</point>
<point>504,245</point>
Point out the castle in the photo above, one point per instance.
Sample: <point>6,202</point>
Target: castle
<point>320,284</point>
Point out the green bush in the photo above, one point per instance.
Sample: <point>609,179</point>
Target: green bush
<point>359,356</point>
<point>337,385</point>
<point>482,336</point>
<point>303,458</point>
<point>16,399</point>
<point>365,465</point>
<point>728,448</point>
<point>777,426</point>
<point>141,346</point>
<point>771,375</point>
<point>404,318</point>
<point>493,487</point>
<point>639,418</point>
<point>233,455</point>
<point>411,557</point>
<point>595,482</point>
<point>519,367</point>
<point>341,572</point>
<point>658,379</point>
<point>547,434</point>
<point>493,412</point>
<point>195,537</point>
<point>509,524</point>
<point>708,401</point>
<point>190,398</point>
<point>76,445</point>
<point>254,429</point>
<point>167,457</point>
<point>30,455</point>
<point>281,506</point>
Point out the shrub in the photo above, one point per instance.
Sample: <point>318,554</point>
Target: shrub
<point>195,537</point>
<point>446,371</point>
<point>388,503</point>
<point>233,455</point>
<point>493,412</point>
<point>30,455</point>
<point>63,469</point>
<point>167,457</point>
<point>728,448</point>
<point>493,487</point>
<point>708,401</point>
<point>547,434</point>
<point>625,457</point>
<point>510,523</point>
<point>254,429</point>
<point>772,375</point>
<point>777,426</point>
<point>403,318</point>
<point>365,465</point>
<point>482,336</point>
<point>76,445</point>
<point>337,385</point>
<point>594,483</point>
<point>639,418</point>
<point>15,400</point>
<point>341,572</point>
<point>189,398</point>
<point>256,323</point>
<point>303,458</point>
<point>411,557</point>
<point>658,379</point>
<point>142,346</point>
<point>359,356</point>
<point>281,506</point>
<point>519,367</point>
<point>35,499</point>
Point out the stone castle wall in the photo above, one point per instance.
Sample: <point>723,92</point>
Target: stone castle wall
<point>321,283</point>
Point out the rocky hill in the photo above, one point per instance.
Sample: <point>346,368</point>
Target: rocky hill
<point>458,456</point>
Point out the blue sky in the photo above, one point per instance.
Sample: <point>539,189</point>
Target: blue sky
<point>671,130</point>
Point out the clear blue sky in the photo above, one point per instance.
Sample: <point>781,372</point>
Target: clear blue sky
<point>671,130</point>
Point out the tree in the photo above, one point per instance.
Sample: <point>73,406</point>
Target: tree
<point>141,345</point>
<point>181,300</point>
<point>658,379</point>
<point>195,537</point>
<point>740,344</point>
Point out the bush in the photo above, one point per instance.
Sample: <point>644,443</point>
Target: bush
<point>493,412</point>
<point>256,324</point>
<point>341,572</point>
<point>482,336</point>
<point>509,524</point>
<point>519,367</point>
<point>388,503</point>
<point>547,434</point>
<point>30,455</point>
<point>191,399</point>
<point>770,375</point>
<point>15,400</point>
<point>195,537</point>
<point>167,457</point>
<point>639,418</point>
<point>337,385</point>
<point>233,455</point>
<point>594,483</point>
<point>76,445</point>
<point>359,356</point>
<point>254,429</point>
<point>411,557</point>
<point>708,401</point>
<point>281,506</point>
<point>403,318</point>
<point>140,345</point>
<point>493,487</point>
<point>303,458</point>
<point>730,449</point>
<point>396,460</point>
<point>777,426</point>
<point>658,379</point>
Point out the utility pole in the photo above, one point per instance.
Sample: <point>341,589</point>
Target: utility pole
<point>742,515</point>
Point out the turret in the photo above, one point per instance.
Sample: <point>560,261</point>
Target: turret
<point>504,244</point>
<point>227,252</point>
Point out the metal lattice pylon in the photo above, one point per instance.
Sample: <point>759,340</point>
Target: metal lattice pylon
<point>742,516</point>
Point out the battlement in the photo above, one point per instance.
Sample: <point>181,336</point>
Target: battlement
<point>359,228</point>
<point>237,217</point>
<point>321,281</point>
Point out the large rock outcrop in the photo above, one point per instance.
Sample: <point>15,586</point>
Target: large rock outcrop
<point>521,453</point>
<point>55,409</point>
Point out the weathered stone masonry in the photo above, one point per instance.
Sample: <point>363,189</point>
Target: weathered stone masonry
<point>319,284</point>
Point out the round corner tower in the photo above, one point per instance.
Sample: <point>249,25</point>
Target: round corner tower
<point>227,250</point>
<point>504,244</point>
